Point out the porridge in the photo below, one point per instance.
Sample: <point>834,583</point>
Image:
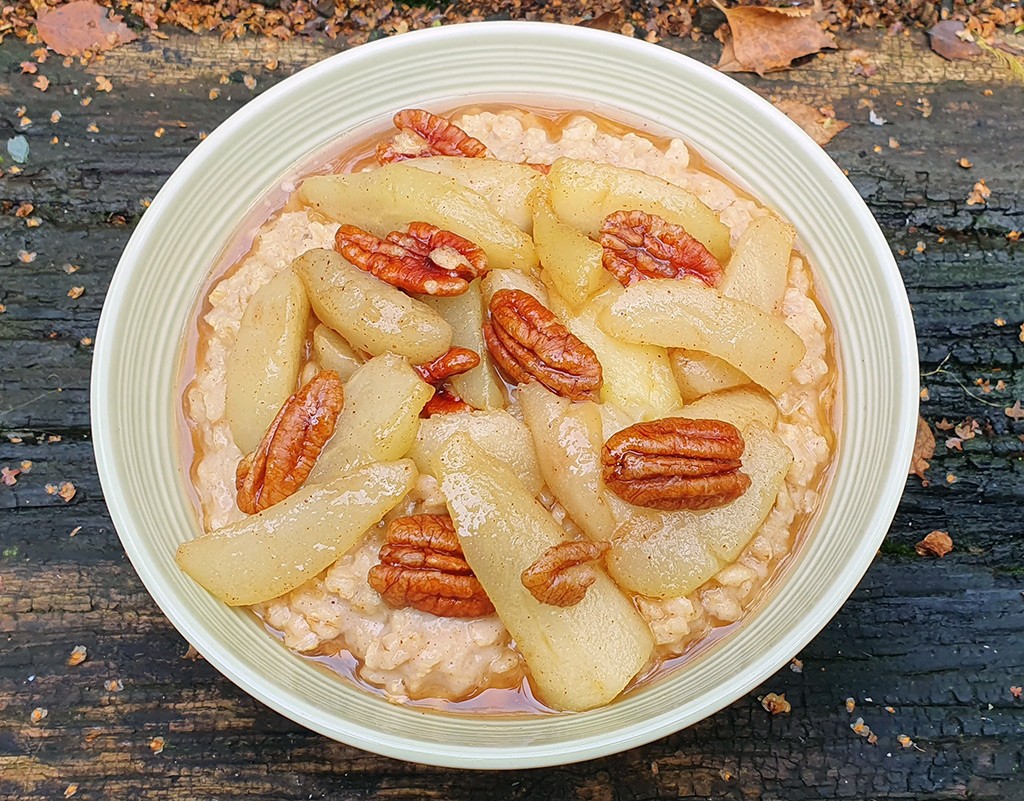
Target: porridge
<point>529,407</point>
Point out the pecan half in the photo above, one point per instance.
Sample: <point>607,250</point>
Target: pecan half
<point>639,245</point>
<point>289,450</point>
<point>437,137</point>
<point>444,401</point>
<point>424,259</point>
<point>529,344</point>
<point>422,566</point>
<point>563,573</point>
<point>675,463</point>
<point>454,361</point>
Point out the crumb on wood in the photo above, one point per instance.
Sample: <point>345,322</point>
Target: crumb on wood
<point>776,704</point>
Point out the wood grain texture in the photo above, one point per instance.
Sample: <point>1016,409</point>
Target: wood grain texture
<point>940,641</point>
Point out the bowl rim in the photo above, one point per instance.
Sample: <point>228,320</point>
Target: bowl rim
<point>435,753</point>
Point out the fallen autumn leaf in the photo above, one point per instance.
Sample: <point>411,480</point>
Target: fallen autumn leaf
<point>821,125</point>
<point>81,26</point>
<point>924,449</point>
<point>946,41</point>
<point>769,39</point>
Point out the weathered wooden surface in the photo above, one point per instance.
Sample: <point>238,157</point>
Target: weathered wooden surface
<point>941,642</point>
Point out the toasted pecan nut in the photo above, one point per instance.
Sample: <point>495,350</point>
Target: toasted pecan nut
<point>445,249</point>
<point>639,245</point>
<point>444,401</point>
<point>439,138</point>
<point>675,463</point>
<point>289,450</point>
<point>562,574</point>
<point>436,532</point>
<point>453,362</point>
<point>425,259</point>
<point>529,344</point>
<point>422,566</point>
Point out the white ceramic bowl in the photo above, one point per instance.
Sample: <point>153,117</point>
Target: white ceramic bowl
<point>148,307</point>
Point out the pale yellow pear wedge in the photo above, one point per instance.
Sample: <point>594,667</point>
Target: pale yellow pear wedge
<point>263,369</point>
<point>480,387</point>
<point>380,418</point>
<point>497,432</point>
<point>759,266</point>
<point>276,550</point>
<point>568,439</point>
<point>583,193</point>
<point>579,657</point>
<point>332,352</point>
<point>637,377</point>
<point>505,184</point>
<point>496,280</point>
<point>570,260</point>
<point>371,315</point>
<point>741,406</point>
<point>668,554</point>
<point>699,373</point>
<point>727,529</point>
<point>389,198</point>
<point>658,555</point>
<point>688,314</point>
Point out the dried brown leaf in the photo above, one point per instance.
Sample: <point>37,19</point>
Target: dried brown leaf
<point>608,21</point>
<point>946,40</point>
<point>776,704</point>
<point>979,194</point>
<point>820,123</point>
<point>769,39</point>
<point>81,26</point>
<point>937,543</point>
<point>1014,412</point>
<point>924,449</point>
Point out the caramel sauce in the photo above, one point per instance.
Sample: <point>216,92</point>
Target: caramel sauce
<point>355,152</point>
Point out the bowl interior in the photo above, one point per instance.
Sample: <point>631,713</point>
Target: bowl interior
<point>148,308</point>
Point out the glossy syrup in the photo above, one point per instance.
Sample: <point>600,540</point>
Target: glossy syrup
<point>355,152</point>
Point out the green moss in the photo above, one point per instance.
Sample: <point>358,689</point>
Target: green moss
<point>890,548</point>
